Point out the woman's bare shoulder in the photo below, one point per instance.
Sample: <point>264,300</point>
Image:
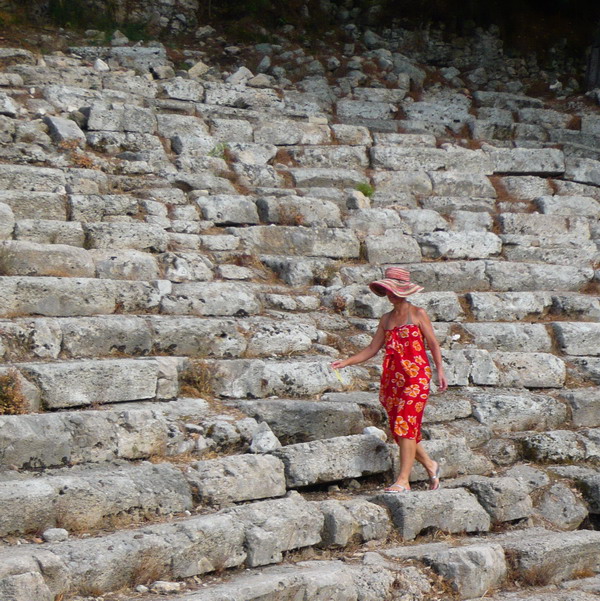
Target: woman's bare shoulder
<point>418,313</point>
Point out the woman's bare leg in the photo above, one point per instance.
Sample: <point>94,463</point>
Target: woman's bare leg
<point>425,460</point>
<point>408,449</point>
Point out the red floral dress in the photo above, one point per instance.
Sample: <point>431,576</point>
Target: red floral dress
<point>405,380</point>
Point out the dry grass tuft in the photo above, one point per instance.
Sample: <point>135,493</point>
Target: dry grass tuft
<point>12,400</point>
<point>196,380</point>
<point>537,575</point>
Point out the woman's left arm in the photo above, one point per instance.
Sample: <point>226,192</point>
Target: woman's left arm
<point>424,323</point>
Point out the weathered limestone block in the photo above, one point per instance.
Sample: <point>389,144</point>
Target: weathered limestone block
<point>307,242</point>
<point>138,236</point>
<point>393,247</point>
<point>140,297</point>
<point>508,275</point>
<point>237,478</point>
<point>272,527</point>
<point>55,296</point>
<point>21,338</point>
<point>440,306</point>
<point>465,366</point>
<point>578,338</point>
<point>186,267</point>
<point>7,221</point>
<point>213,298</point>
<point>64,130</point>
<point>430,159</point>
<point>416,182</point>
<point>295,421</point>
<point>492,306</point>
<point>82,498</point>
<point>37,179</point>
<point>585,406</point>
<point>559,250</point>
<point>171,125</point>
<point>127,82</point>
<point>446,408</point>
<point>551,225</point>
<point>557,446</point>
<point>561,507</point>
<point>448,510</point>
<point>541,161</point>
<point>334,459</point>
<point>323,177</point>
<point>114,142</point>
<point>424,221</point>
<point>459,245</point>
<point>290,133</point>
<point>193,145</point>
<point>182,89</point>
<point>126,118</point>
<point>124,265</point>
<point>46,231</point>
<point>226,209</point>
<point>28,585</point>
<point>530,370</point>
<point>560,555</point>
<point>505,499</point>
<point>329,156</point>
<point>545,117</point>
<point>585,171</point>
<point>505,100</point>
<point>80,383</point>
<point>234,130</point>
<point>590,367</point>
<point>352,135</point>
<point>297,210</point>
<point>569,205</point>
<point>95,207</point>
<point>250,153</point>
<point>239,96</point>
<point>517,411</point>
<point>278,338</point>
<point>366,222</point>
<point>455,275</point>
<point>461,184</point>
<point>359,109</point>
<point>511,337</point>
<point>104,335</point>
<point>356,520</point>
<point>31,259</point>
<point>196,336</point>
<point>448,205</point>
<point>472,570</point>
<point>30,205</point>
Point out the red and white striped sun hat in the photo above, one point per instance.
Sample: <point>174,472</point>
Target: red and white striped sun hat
<point>397,281</point>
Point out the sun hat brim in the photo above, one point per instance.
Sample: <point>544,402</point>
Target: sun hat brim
<point>381,287</point>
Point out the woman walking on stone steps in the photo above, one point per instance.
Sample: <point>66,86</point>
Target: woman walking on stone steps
<point>406,373</point>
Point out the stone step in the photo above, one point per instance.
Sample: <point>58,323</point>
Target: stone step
<point>128,431</point>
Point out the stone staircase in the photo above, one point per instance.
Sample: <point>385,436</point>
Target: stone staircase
<point>180,261</point>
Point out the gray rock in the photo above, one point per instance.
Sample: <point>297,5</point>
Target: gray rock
<point>30,205</point>
<point>561,507</point>
<point>558,555</point>
<point>568,205</point>
<point>264,441</point>
<point>518,411</point>
<point>461,184</point>
<point>25,586</point>
<point>495,306</point>
<point>459,245</point>
<point>530,370</point>
<point>55,535</point>
<point>531,477</point>
<point>79,383</point>
<point>95,207</point>
<point>547,161</point>
<point>186,267</point>
<point>64,131</point>
<point>31,259</point>
<point>225,209</point>
<point>213,298</point>
<point>126,118</point>
<point>585,406</point>
<point>289,133</point>
<point>577,338</point>
<point>586,171</point>
<point>296,210</point>
<point>510,336</point>
<point>46,231</point>
<point>557,446</point>
<point>334,459</point>
<point>359,109</point>
<point>550,225</point>
<point>7,106</point>
<point>505,499</point>
<point>430,159</point>
<point>236,478</point>
<point>294,421</point>
<point>124,265</point>
<point>138,236</point>
<point>356,520</point>
<point>324,177</point>
<point>21,177</point>
<point>510,275</point>
<point>447,510</point>
<point>7,221</point>
<point>393,247</point>
<point>182,89</point>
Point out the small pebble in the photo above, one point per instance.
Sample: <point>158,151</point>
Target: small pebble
<point>55,535</point>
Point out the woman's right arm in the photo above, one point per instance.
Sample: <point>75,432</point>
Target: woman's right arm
<point>367,352</point>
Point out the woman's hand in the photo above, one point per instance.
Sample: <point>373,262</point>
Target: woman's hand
<point>339,364</point>
<point>442,381</point>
